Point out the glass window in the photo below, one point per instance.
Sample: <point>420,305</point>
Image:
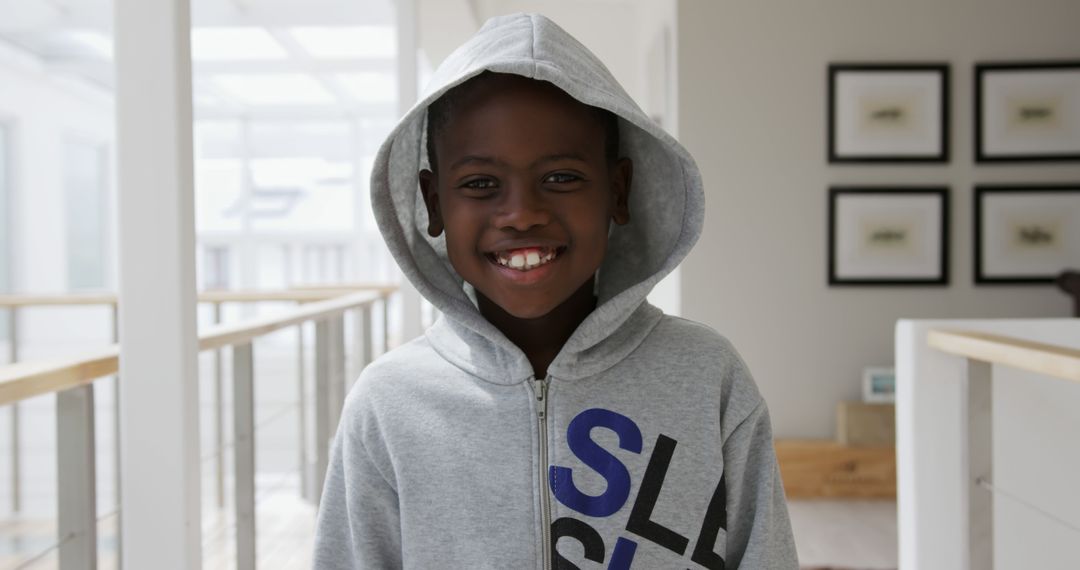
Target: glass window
<point>289,122</point>
<point>215,267</point>
<point>84,186</point>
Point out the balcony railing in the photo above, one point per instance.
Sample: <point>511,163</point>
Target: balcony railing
<point>71,379</point>
<point>946,440</point>
<point>981,351</point>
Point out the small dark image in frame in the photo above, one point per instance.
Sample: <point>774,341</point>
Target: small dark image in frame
<point>1025,234</point>
<point>888,236</point>
<point>888,113</point>
<point>1027,111</point>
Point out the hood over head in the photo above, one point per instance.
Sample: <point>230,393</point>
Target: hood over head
<point>666,208</point>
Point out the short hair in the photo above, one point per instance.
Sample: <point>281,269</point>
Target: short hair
<point>442,110</point>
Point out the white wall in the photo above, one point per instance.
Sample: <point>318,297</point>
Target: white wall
<point>752,80</point>
<point>442,26</point>
<point>45,112</point>
<point>608,29</point>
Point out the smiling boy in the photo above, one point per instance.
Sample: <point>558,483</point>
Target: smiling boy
<point>552,417</point>
<point>530,179</point>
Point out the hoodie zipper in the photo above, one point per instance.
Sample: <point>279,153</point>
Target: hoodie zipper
<point>540,389</point>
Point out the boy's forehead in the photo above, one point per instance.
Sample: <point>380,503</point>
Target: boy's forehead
<point>496,99</point>
<point>491,88</point>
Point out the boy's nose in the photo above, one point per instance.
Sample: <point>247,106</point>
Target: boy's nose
<point>522,208</point>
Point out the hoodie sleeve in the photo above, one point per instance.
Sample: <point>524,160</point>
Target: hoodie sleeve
<point>359,524</point>
<point>759,530</point>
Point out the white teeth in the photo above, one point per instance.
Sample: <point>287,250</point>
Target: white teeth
<point>525,261</point>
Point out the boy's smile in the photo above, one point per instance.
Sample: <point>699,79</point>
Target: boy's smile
<point>525,192</point>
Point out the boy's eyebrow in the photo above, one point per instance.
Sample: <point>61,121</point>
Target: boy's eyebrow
<point>470,158</point>
<point>475,158</point>
<point>560,156</point>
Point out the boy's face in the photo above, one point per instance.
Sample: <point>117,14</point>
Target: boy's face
<point>525,193</point>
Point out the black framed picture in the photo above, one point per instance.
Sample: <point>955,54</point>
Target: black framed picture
<point>1026,233</point>
<point>888,112</point>
<point>1027,111</point>
<point>888,235</point>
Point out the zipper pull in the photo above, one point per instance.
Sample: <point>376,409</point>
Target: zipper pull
<point>541,397</point>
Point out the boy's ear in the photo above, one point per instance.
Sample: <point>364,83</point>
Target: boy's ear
<point>429,189</point>
<point>621,178</point>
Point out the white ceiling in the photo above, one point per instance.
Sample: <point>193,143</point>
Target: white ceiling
<point>257,58</point>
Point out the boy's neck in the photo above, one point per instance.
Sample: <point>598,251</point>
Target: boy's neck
<point>542,338</point>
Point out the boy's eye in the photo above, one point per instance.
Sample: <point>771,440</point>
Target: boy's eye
<point>562,178</point>
<point>480,184</point>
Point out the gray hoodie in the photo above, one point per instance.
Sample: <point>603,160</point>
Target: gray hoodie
<point>647,446</point>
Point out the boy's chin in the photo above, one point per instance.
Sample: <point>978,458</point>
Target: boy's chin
<point>519,309</point>
<point>527,311</point>
<point>531,314</point>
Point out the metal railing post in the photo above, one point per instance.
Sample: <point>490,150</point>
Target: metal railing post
<point>980,464</point>
<point>244,454</point>
<point>301,374</point>
<point>364,340</point>
<point>322,405</point>
<point>116,439</point>
<point>385,322</point>
<point>368,325</point>
<point>337,363</point>
<point>76,488</point>
<point>16,459</point>
<point>219,422</point>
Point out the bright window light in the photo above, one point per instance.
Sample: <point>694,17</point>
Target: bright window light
<point>369,87</point>
<point>95,43</point>
<point>218,44</point>
<point>274,89</point>
<point>343,42</point>
<point>299,171</point>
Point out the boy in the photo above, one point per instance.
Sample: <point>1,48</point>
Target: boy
<point>551,418</point>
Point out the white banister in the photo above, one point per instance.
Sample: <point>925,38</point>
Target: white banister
<point>986,423</point>
<point>408,89</point>
<point>160,467</point>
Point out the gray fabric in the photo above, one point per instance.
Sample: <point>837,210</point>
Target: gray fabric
<point>436,463</point>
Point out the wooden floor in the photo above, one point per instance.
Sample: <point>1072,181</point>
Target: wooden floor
<point>828,534</point>
<point>285,527</point>
<point>286,531</point>
<point>845,534</point>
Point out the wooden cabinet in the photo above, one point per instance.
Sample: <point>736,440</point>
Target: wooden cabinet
<point>820,469</point>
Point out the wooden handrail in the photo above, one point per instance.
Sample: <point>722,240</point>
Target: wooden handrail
<point>27,300</point>
<point>305,294</point>
<point>27,379</point>
<point>343,286</point>
<point>1052,360</point>
<point>24,380</point>
<point>239,333</point>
